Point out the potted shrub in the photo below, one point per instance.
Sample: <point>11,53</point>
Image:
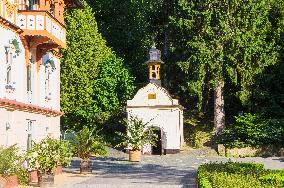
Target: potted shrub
<point>66,155</point>
<point>44,157</point>
<point>86,143</point>
<point>137,134</point>
<point>11,167</point>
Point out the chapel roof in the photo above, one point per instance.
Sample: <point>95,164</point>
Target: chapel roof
<point>162,98</point>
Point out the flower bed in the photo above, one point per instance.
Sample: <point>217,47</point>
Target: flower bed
<point>245,175</point>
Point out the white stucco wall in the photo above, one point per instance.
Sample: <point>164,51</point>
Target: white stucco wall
<point>19,75</point>
<point>54,103</point>
<point>166,119</point>
<point>163,112</point>
<point>18,66</point>
<point>17,132</point>
<point>141,98</point>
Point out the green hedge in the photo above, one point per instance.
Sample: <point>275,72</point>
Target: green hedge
<point>235,175</point>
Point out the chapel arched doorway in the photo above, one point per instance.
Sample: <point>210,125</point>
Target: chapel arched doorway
<point>157,149</point>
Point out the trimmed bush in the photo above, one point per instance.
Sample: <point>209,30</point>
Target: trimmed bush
<point>235,175</point>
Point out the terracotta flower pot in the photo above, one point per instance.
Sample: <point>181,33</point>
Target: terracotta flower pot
<point>33,177</point>
<point>46,180</point>
<point>135,155</point>
<point>9,181</point>
<point>57,170</point>
<point>85,166</point>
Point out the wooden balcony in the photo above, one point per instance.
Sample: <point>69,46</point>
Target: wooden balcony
<point>42,24</point>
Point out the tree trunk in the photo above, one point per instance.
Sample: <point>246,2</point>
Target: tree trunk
<point>219,111</point>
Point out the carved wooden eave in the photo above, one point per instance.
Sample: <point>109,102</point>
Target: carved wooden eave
<point>55,53</point>
<point>9,25</point>
<point>43,49</point>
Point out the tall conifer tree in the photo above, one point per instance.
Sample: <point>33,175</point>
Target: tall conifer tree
<point>94,82</point>
<point>224,41</point>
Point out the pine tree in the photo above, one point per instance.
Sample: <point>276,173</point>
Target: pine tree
<point>224,42</point>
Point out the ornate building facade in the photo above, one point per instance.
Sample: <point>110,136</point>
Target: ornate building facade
<point>32,32</point>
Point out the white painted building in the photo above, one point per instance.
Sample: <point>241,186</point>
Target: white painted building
<point>154,104</point>
<point>31,35</point>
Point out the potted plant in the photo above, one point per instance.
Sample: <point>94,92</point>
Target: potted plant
<point>45,156</point>
<point>86,143</point>
<point>66,155</point>
<point>137,134</point>
<point>11,167</point>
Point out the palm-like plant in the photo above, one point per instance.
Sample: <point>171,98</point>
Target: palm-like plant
<point>87,142</point>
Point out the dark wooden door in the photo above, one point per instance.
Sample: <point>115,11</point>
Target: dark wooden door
<point>157,150</point>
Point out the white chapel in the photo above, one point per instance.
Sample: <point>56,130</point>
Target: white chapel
<point>154,104</point>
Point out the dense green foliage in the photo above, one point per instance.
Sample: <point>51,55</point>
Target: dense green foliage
<point>136,25</point>
<point>12,164</point>
<point>94,82</point>
<point>253,130</point>
<point>242,37</point>
<point>203,42</point>
<point>224,40</point>
<point>197,130</point>
<point>234,175</point>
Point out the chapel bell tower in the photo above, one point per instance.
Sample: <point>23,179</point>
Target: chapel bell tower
<point>154,65</point>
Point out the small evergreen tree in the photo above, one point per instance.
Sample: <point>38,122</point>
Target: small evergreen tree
<point>94,82</point>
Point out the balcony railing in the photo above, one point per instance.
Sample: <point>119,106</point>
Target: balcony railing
<point>42,23</point>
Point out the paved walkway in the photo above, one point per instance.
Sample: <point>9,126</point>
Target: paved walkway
<point>168,171</point>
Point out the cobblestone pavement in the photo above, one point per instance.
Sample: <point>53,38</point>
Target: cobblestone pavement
<point>168,171</point>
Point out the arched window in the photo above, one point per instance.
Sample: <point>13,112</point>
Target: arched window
<point>153,75</point>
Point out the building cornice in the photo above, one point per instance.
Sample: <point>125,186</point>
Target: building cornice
<point>159,107</point>
<point>13,105</point>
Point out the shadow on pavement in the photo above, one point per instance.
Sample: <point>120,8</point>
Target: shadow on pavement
<point>110,170</point>
<point>281,159</point>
